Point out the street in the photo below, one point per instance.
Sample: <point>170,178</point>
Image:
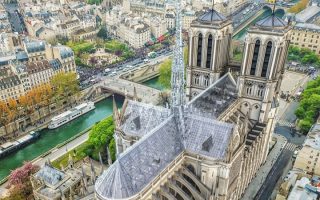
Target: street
<point>275,173</point>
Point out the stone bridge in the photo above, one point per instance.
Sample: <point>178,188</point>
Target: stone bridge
<point>115,85</point>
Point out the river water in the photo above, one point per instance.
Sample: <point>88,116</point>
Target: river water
<point>51,138</point>
<point>267,12</point>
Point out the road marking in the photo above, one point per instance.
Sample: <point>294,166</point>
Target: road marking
<point>290,146</point>
<point>284,122</point>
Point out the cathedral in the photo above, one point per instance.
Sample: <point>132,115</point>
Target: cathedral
<point>214,137</point>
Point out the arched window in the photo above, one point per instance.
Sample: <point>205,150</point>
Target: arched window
<point>206,80</point>
<point>196,79</point>
<point>266,59</point>
<point>199,54</point>
<point>255,58</point>
<point>209,51</point>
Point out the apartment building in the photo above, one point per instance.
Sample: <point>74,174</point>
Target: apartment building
<point>135,32</point>
<point>305,35</point>
<point>32,63</point>
<point>308,158</point>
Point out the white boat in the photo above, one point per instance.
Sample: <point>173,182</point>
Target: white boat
<point>70,115</point>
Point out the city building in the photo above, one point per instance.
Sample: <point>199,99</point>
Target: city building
<point>212,146</point>
<point>26,64</point>
<point>305,35</point>
<point>308,158</point>
<point>74,182</point>
<point>309,14</point>
<point>135,32</point>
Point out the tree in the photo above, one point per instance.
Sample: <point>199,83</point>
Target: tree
<point>165,73</point>
<point>102,133</point>
<point>112,149</point>
<point>102,33</point>
<point>19,182</point>
<point>65,85</point>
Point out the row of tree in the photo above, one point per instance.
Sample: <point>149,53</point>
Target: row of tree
<point>309,106</point>
<point>299,6</point>
<point>62,86</point>
<point>303,55</point>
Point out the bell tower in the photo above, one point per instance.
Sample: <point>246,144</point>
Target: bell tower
<point>265,52</point>
<point>209,44</point>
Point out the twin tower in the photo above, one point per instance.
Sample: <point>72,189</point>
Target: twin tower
<point>262,67</point>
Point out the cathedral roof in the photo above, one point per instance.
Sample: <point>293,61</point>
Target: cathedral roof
<point>163,141</point>
<point>272,21</point>
<point>140,118</point>
<point>216,98</point>
<point>136,167</point>
<point>211,16</point>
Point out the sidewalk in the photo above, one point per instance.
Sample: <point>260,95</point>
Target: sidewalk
<point>53,154</point>
<point>264,170</point>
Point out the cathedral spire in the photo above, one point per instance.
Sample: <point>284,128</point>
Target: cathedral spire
<point>177,76</point>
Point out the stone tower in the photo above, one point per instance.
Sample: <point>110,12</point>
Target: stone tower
<point>209,45</point>
<point>265,52</point>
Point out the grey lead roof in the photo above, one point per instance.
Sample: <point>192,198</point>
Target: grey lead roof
<point>50,175</point>
<point>207,137</point>
<point>272,21</point>
<point>211,15</point>
<point>136,167</point>
<point>140,118</point>
<point>215,99</point>
<point>162,142</point>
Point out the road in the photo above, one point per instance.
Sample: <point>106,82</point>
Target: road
<point>275,173</point>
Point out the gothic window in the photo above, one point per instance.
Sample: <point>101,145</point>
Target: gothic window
<point>255,58</point>
<point>196,79</point>
<point>209,51</point>
<point>199,53</point>
<point>206,80</point>
<point>266,59</point>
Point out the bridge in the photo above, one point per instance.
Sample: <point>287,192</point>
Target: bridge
<point>256,15</point>
<point>115,85</point>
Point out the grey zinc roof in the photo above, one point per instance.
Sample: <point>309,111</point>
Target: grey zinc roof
<point>216,98</point>
<point>35,46</point>
<point>136,167</point>
<point>55,64</point>
<point>50,175</point>
<point>272,21</point>
<point>211,16</point>
<point>140,118</point>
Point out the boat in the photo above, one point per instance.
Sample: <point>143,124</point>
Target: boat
<point>13,146</point>
<point>70,115</point>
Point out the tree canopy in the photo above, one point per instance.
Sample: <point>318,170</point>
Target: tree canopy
<point>165,73</point>
<point>309,106</point>
<point>303,55</point>
<point>102,133</point>
<point>65,84</point>
<point>299,6</point>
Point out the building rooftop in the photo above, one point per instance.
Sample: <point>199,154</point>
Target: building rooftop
<point>307,14</point>
<point>272,21</point>
<point>215,99</point>
<point>163,141</point>
<point>307,26</point>
<point>211,16</point>
<point>299,192</point>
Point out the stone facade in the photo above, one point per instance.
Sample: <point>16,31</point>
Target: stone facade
<point>211,147</point>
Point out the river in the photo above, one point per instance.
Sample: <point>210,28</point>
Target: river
<point>242,33</point>
<point>51,138</point>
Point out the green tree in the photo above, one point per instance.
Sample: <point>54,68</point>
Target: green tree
<point>165,73</point>
<point>65,85</point>
<point>102,133</point>
<point>102,33</point>
<point>112,149</point>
